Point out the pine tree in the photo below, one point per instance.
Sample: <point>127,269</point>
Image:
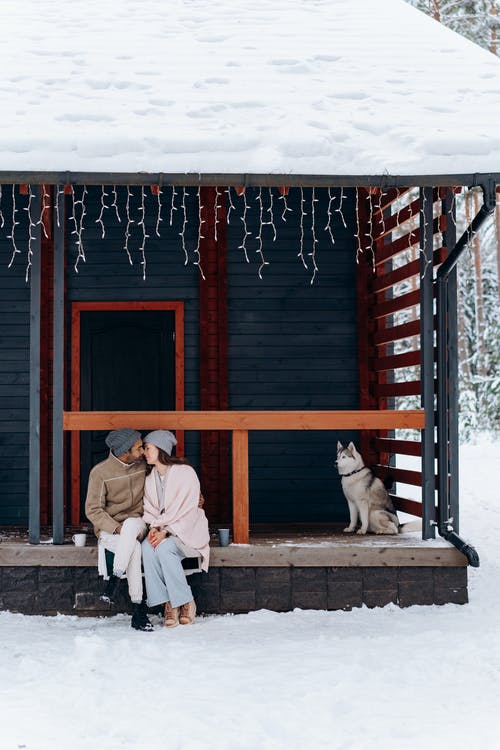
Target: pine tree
<point>477,20</point>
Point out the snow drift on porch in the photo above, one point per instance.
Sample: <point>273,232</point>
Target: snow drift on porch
<point>291,86</point>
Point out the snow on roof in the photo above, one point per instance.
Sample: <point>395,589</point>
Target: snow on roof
<point>211,86</point>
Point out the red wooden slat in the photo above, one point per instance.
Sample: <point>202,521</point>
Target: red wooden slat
<point>395,333</point>
<point>384,252</point>
<point>387,280</point>
<point>406,447</point>
<point>383,228</point>
<point>413,507</point>
<point>390,196</point>
<point>403,302</point>
<point>399,475</point>
<point>388,390</point>
<point>408,359</point>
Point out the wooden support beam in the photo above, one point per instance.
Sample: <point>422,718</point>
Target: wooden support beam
<point>241,512</point>
<point>246,420</point>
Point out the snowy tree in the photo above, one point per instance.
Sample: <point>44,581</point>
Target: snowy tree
<point>477,20</point>
<point>478,317</point>
<point>479,323</point>
<point>479,267</point>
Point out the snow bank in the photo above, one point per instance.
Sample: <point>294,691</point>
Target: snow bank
<point>386,678</point>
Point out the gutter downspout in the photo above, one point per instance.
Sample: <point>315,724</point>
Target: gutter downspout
<point>445,523</point>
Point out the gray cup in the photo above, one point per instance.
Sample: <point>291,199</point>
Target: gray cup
<point>223,537</point>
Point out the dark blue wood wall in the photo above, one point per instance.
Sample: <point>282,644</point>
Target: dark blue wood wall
<point>14,362</point>
<point>293,345</point>
<point>107,275</point>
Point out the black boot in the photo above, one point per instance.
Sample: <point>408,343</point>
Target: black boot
<point>140,620</point>
<point>112,588</point>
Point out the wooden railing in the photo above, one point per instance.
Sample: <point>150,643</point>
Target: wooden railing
<point>240,423</point>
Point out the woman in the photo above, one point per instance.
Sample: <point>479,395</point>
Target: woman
<point>178,528</point>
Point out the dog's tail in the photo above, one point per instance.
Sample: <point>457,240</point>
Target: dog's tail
<point>410,526</point>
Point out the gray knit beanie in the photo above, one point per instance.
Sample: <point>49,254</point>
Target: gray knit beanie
<point>121,441</point>
<point>163,439</point>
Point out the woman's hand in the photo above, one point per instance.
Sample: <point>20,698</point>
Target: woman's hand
<point>156,536</point>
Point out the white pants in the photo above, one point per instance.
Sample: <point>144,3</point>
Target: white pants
<point>127,551</point>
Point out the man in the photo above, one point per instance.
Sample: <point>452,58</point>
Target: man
<point>114,507</point>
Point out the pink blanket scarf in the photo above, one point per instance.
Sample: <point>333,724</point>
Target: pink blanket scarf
<point>180,513</point>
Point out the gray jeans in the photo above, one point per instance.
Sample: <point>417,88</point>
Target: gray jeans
<point>164,574</point>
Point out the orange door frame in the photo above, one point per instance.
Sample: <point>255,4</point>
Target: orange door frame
<point>76,309</point>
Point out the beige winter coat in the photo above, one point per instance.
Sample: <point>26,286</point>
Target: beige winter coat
<point>115,492</point>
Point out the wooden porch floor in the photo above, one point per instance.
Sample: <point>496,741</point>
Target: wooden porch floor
<point>314,547</point>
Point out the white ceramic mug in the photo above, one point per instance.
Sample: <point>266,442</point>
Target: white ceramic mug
<point>79,540</point>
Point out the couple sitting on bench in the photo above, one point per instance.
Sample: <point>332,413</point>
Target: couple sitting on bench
<point>153,507</point>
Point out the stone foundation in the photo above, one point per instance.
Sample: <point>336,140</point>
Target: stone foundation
<point>75,590</point>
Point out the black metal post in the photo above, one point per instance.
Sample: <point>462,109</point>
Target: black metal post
<point>427,362</point>
<point>34,271</point>
<point>453,391</point>
<point>446,525</point>
<point>58,371</point>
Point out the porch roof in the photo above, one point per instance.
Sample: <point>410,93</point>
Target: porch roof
<point>289,88</point>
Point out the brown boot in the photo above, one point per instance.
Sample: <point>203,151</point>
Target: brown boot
<point>171,616</point>
<point>188,613</point>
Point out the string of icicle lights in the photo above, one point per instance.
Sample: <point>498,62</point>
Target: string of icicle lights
<point>132,217</point>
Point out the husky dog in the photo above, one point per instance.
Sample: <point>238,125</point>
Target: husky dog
<point>366,495</point>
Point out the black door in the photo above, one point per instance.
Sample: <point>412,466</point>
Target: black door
<point>127,364</point>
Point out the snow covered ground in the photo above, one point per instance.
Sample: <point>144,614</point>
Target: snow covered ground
<point>424,677</point>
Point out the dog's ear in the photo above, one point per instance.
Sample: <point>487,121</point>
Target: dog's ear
<point>340,447</point>
<point>352,448</point>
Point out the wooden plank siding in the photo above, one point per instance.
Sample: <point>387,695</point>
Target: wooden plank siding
<point>107,275</point>
<point>293,345</point>
<point>14,363</point>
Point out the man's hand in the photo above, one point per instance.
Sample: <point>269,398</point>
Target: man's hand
<point>118,529</point>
